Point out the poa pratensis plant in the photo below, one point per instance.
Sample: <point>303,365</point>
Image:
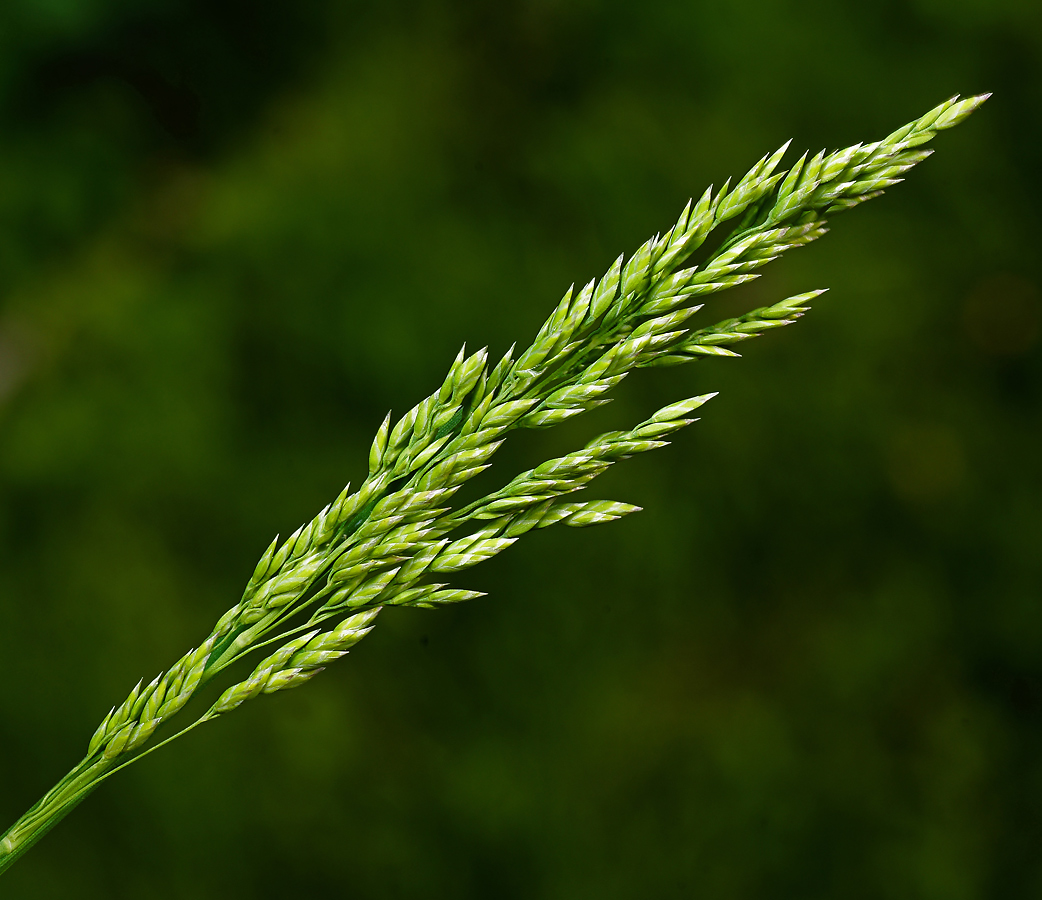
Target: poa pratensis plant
<point>399,540</point>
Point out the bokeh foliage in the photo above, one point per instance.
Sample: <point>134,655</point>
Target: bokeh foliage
<point>234,234</point>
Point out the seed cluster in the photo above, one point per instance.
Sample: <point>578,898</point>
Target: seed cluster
<point>374,547</point>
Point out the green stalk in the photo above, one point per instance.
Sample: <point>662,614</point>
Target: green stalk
<point>54,806</point>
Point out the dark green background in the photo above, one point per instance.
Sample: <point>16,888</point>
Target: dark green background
<point>233,233</point>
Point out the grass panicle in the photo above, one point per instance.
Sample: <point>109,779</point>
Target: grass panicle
<point>390,541</point>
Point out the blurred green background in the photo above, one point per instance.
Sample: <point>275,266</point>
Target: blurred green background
<point>233,234</point>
